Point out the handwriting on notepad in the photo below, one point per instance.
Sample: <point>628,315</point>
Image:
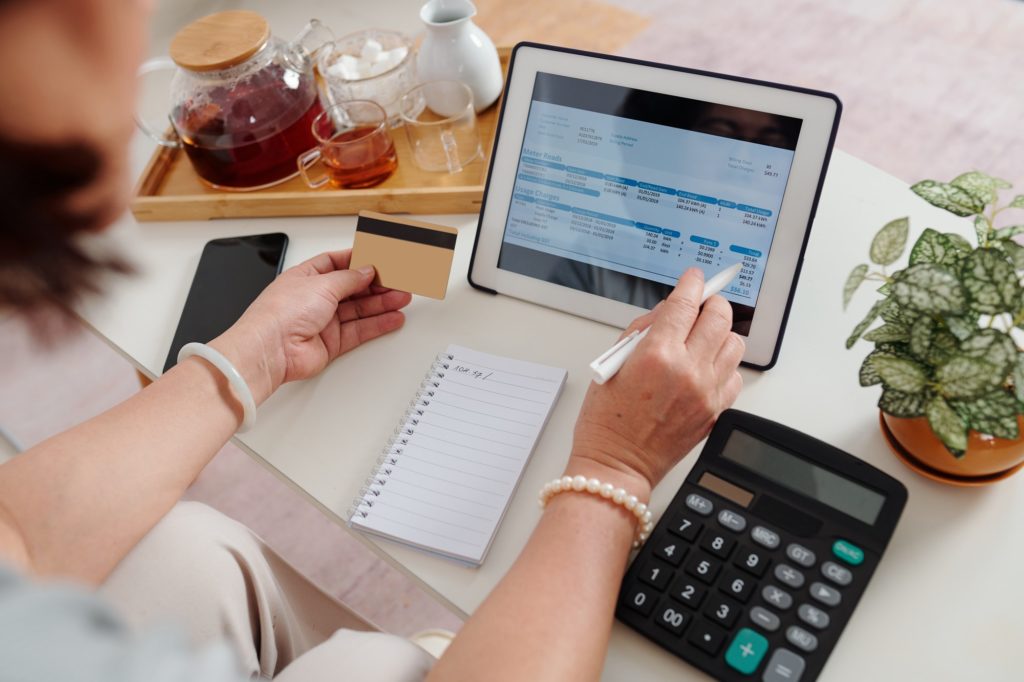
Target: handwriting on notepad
<point>470,372</point>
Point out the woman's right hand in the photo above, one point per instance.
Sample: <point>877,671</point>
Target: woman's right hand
<point>634,428</point>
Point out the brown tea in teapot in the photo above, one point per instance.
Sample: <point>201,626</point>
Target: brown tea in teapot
<point>250,135</point>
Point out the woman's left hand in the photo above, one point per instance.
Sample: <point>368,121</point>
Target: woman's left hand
<point>307,317</point>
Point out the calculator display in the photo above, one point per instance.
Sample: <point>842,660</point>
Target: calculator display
<point>800,475</point>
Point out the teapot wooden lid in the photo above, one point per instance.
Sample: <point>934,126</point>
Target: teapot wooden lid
<point>220,40</point>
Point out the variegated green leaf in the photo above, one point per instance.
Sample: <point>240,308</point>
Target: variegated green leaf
<point>966,377</point>
<point>1018,377</point>
<point>944,346</point>
<point>894,348</point>
<point>900,404</point>
<point>887,333</point>
<point>994,414</point>
<point>961,326</point>
<point>894,313</point>
<point>852,282</point>
<point>991,282</point>
<point>921,333</point>
<point>948,197</point>
<point>978,185</point>
<point>888,244</point>
<point>947,425</point>
<point>930,247</point>
<point>885,289</point>
<point>1011,231</point>
<point>1018,201</point>
<point>958,242</point>
<point>902,374</point>
<point>992,346</point>
<point>864,324</point>
<point>1013,250</point>
<point>867,375</point>
<point>982,229</point>
<point>929,288</point>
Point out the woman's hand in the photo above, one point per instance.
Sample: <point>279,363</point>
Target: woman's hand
<point>664,400</point>
<point>307,317</point>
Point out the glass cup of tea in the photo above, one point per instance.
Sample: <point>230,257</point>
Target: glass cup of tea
<point>354,147</point>
<point>440,123</point>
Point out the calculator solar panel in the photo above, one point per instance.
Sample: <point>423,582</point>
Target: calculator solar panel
<point>759,561</point>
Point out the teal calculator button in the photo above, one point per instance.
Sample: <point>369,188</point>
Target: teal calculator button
<point>746,651</point>
<point>848,552</point>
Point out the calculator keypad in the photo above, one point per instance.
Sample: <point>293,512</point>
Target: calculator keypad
<point>836,573</point>
<point>718,544</point>
<point>728,587</point>
<point>707,637</point>
<point>752,561</point>
<point>789,576</point>
<point>656,574</point>
<point>801,555</point>
<point>670,549</point>
<point>685,526</point>
<point>704,567</point>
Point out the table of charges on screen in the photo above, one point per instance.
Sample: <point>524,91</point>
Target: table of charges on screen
<point>549,209</point>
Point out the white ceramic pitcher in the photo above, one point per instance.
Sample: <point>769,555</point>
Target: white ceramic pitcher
<point>457,49</point>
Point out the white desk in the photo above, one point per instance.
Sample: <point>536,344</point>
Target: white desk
<point>947,602</point>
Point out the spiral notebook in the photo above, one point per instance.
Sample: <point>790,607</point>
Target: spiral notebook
<point>445,478</point>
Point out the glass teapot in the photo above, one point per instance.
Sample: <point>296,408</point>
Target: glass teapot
<point>242,101</point>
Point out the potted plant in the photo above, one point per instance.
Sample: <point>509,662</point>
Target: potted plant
<point>946,353</point>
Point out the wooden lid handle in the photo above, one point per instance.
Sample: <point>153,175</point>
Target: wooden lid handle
<point>220,41</point>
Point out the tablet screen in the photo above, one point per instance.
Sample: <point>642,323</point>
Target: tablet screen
<point>618,191</point>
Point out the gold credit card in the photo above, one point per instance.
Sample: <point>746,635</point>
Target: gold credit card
<point>409,255</point>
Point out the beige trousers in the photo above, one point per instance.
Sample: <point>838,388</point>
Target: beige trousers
<point>212,576</point>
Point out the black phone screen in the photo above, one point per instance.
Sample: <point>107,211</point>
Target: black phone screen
<point>231,274</point>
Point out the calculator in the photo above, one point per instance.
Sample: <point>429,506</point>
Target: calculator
<point>760,559</point>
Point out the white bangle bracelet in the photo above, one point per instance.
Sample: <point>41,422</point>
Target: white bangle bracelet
<point>235,380</point>
<point>620,496</point>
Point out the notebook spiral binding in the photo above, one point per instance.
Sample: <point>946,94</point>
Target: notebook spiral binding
<point>392,451</point>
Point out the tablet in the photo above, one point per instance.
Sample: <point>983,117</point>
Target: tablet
<point>610,177</point>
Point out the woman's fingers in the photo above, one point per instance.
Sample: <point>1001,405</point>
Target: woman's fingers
<point>711,328</point>
<point>362,330</point>
<point>368,306</point>
<point>677,314</point>
<point>345,283</point>
<point>731,389</point>
<point>730,354</point>
<point>322,263</point>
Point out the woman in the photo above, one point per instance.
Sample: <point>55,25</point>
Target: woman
<point>96,506</point>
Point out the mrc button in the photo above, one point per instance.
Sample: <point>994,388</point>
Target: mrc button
<point>764,537</point>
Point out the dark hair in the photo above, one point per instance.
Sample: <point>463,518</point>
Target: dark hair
<point>42,265</point>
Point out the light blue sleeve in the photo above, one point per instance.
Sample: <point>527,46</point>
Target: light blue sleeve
<point>56,631</point>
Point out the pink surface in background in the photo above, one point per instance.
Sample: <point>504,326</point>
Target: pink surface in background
<point>931,88</point>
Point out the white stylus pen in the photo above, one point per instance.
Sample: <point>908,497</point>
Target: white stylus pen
<point>611,361</point>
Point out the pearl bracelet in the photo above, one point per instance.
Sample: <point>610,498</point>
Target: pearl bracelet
<point>609,492</point>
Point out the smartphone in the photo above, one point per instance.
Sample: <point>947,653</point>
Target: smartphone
<point>231,274</point>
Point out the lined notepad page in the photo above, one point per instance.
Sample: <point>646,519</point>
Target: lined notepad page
<point>444,481</point>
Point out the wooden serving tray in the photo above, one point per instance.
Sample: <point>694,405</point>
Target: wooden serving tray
<point>169,188</point>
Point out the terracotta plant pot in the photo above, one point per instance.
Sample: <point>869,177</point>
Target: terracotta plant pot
<point>987,460</point>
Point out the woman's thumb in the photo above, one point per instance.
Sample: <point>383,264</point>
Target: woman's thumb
<point>345,283</point>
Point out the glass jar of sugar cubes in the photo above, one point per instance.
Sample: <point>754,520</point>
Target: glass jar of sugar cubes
<point>374,64</point>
